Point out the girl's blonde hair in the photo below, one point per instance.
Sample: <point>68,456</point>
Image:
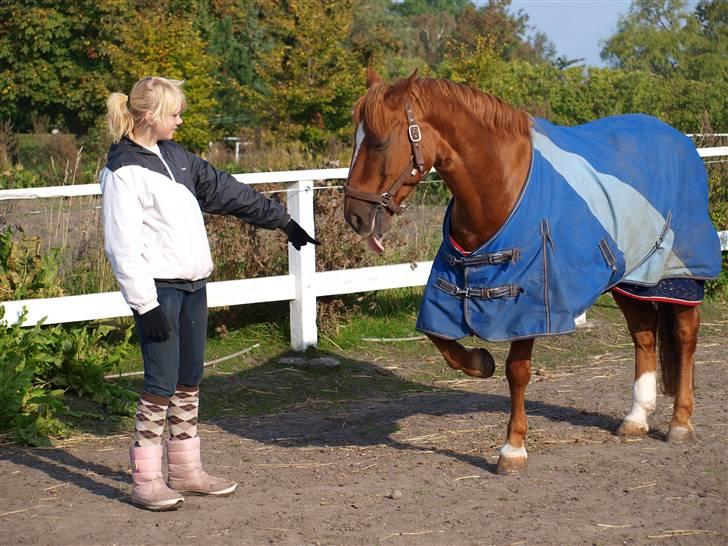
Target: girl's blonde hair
<point>160,96</point>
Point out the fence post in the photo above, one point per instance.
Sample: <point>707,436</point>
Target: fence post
<point>302,265</point>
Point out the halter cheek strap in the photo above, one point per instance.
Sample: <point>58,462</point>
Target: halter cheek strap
<point>416,166</point>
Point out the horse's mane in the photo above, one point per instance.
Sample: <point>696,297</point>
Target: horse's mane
<point>431,94</point>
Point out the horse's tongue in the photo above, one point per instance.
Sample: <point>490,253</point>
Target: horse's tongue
<point>375,244</point>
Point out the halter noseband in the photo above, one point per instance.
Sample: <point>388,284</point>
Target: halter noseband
<point>416,165</point>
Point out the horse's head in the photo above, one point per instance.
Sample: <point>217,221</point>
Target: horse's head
<point>389,158</point>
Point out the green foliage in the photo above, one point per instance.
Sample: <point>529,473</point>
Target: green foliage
<point>232,35</point>
<point>650,37</point>
<point>17,177</point>
<point>311,78</point>
<point>576,95</point>
<point>152,43</point>
<point>39,365</point>
<point>82,357</point>
<point>687,52</point>
<point>494,22</point>
<point>424,7</point>
<point>718,202</point>
<point>26,409</point>
<point>24,271</point>
<point>379,36</point>
<point>664,38</point>
<point>50,64</point>
<point>296,67</point>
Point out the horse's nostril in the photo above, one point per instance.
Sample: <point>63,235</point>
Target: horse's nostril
<point>356,221</point>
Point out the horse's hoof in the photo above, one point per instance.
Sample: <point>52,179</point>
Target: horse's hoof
<point>511,465</point>
<point>479,363</point>
<point>632,429</point>
<point>681,435</point>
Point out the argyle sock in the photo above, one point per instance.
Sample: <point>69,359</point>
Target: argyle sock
<point>149,423</point>
<point>182,414</point>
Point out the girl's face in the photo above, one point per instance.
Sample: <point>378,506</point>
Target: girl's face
<point>165,130</point>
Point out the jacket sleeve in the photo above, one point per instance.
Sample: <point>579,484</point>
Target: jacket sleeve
<point>123,244</point>
<point>219,193</point>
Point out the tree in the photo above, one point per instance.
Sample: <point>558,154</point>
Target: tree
<point>688,52</point>
<point>709,51</point>
<point>411,8</point>
<point>493,20</point>
<point>431,24</point>
<point>51,65</point>
<point>150,43</point>
<point>653,36</point>
<point>311,78</point>
<point>232,34</point>
<point>378,35</point>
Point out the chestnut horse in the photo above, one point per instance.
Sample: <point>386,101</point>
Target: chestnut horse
<point>483,149</point>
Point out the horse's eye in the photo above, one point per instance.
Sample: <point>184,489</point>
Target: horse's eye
<point>381,145</point>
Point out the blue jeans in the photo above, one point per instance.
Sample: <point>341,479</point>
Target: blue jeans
<point>180,359</point>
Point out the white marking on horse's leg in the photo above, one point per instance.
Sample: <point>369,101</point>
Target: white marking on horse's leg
<point>644,397</point>
<point>509,451</point>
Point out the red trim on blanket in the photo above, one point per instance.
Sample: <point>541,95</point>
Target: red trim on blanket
<point>657,298</point>
<point>460,249</point>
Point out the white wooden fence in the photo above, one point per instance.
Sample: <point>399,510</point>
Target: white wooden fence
<point>300,287</point>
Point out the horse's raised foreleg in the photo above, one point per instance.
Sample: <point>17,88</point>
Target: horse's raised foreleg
<point>685,329</point>
<point>473,362</point>
<point>641,319</point>
<point>513,456</point>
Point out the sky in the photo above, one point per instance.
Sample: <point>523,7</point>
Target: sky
<point>575,26</point>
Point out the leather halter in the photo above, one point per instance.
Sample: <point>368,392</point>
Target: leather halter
<point>416,166</point>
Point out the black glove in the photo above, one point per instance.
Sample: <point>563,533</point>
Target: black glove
<point>154,325</point>
<point>297,236</point>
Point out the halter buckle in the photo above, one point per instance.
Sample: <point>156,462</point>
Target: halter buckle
<point>385,199</point>
<point>415,134</point>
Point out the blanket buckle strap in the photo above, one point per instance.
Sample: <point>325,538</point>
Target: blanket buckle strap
<point>505,291</point>
<point>494,258</point>
<point>450,288</point>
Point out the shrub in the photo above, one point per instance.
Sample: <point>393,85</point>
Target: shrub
<point>24,271</point>
<point>39,365</point>
<point>27,409</point>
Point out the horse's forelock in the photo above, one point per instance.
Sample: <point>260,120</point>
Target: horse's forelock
<point>370,110</point>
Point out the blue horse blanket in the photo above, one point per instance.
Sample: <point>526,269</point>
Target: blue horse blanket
<point>620,199</point>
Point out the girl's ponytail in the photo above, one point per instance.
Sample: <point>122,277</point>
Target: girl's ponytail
<point>118,116</point>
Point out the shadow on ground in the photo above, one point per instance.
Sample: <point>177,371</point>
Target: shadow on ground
<point>364,408</point>
<point>356,404</point>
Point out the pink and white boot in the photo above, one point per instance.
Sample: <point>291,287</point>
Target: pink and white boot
<point>149,490</point>
<point>185,470</point>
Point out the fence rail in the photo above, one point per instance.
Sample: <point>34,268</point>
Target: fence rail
<point>300,287</point>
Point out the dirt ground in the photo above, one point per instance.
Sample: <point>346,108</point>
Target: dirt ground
<point>418,468</point>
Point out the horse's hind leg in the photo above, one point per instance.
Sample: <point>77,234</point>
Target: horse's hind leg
<point>642,323</point>
<point>677,359</point>
<point>473,362</point>
<point>513,457</point>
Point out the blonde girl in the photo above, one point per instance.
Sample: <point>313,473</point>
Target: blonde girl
<point>154,194</point>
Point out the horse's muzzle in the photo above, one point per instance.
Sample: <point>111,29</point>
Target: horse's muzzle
<point>368,220</point>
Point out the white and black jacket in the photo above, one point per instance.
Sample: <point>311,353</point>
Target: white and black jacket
<point>152,210</point>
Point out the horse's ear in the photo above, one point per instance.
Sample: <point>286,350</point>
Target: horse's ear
<point>411,81</point>
<point>397,93</point>
<point>373,77</point>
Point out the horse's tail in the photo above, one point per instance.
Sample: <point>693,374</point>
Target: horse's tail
<point>668,348</point>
